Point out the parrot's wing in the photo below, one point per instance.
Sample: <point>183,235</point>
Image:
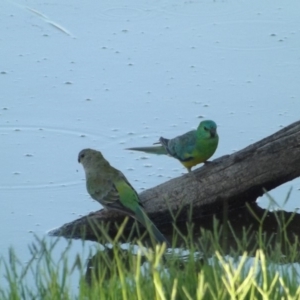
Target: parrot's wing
<point>128,195</point>
<point>112,200</point>
<point>130,202</point>
<point>111,197</point>
<point>130,199</point>
<point>103,191</point>
<point>115,193</point>
<point>182,147</point>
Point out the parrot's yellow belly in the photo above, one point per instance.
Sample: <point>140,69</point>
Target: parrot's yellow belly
<point>193,162</point>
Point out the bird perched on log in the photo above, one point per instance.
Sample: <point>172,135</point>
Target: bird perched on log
<point>110,188</point>
<point>191,148</point>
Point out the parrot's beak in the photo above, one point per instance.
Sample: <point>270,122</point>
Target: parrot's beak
<point>213,132</point>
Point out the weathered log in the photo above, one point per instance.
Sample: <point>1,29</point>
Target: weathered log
<point>232,179</point>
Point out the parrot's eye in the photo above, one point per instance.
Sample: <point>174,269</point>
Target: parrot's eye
<point>81,155</point>
<point>205,128</point>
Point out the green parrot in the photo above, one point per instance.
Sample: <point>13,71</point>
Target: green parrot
<point>110,188</point>
<point>191,148</point>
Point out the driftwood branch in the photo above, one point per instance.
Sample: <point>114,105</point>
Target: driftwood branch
<point>232,179</point>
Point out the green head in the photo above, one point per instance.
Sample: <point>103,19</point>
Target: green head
<point>208,128</point>
<point>91,159</point>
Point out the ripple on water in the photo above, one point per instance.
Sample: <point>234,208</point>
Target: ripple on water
<point>35,157</point>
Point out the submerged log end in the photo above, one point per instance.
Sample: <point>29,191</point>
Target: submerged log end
<point>104,226</point>
<point>86,227</point>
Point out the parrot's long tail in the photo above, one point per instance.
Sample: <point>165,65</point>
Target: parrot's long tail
<point>153,230</point>
<point>153,150</point>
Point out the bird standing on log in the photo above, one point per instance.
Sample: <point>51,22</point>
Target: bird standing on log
<point>191,148</point>
<point>110,188</point>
